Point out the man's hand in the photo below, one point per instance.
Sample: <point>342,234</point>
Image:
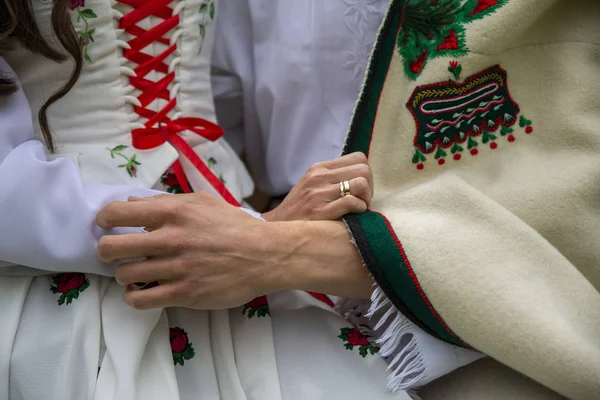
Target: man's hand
<point>317,196</point>
<point>204,253</point>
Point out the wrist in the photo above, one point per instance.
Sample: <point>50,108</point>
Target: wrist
<point>318,256</point>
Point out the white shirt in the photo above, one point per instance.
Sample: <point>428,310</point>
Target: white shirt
<point>286,76</point>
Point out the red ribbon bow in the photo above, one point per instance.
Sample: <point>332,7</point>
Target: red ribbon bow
<point>150,138</point>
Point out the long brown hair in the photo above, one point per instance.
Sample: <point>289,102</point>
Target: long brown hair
<point>17,21</point>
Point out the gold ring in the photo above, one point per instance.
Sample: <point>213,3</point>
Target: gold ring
<point>344,188</point>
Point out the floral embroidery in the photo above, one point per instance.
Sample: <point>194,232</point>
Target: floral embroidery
<point>436,28</point>
<point>87,34</point>
<point>455,69</point>
<point>69,285</point>
<point>171,183</point>
<point>131,165</point>
<point>450,114</point>
<point>181,347</point>
<point>352,337</point>
<point>211,162</point>
<point>258,307</point>
<point>207,15</point>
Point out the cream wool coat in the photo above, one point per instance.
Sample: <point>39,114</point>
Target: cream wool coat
<point>481,120</point>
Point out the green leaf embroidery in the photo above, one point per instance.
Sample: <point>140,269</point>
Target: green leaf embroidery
<point>440,153</point>
<point>523,122</point>
<point>212,10</point>
<point>131,163</point>
<point>119,148</point>
<point>487,136</point>
<point>471,143</point>
<point>88,13</point>
<point>505,130</point>
<point>86,36</point>
<point>456,148</point>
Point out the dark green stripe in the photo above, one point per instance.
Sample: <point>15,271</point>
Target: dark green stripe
<point>361,126</point>
<point>382,255</point>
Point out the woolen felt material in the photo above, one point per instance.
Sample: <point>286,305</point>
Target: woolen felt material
<point>498,249</point>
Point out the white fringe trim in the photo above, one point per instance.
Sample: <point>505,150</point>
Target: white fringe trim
<point>393,335</point>
<point>408,366</point>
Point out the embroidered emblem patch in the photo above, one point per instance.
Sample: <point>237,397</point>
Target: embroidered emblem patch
<point>436,28</point>
<point>180,346</point>
<point>259,307</point>
<point>69,285</point>
<point>451,115</point>
<point>353,338</point>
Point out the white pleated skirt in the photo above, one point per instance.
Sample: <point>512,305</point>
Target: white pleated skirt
<point>72,337</point>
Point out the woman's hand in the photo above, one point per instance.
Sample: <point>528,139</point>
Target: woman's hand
<point>318,196</point>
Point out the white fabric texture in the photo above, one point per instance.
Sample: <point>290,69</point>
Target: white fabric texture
<point>286,76</point>
<point>54,326</point>
<point>50,211</point>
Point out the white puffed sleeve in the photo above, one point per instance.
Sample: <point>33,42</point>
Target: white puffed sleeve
<point>47,215</point>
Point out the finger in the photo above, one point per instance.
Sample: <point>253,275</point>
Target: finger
<point>150,214</point>
<point>353,171</point>
<point>149,270</point>
<point>359,187</point>
<point>344,205</point>
<point>344,161</point>
<point>167,294</point>
<point>135,198</point>
<point>135,245</point>
<point>187,197</point>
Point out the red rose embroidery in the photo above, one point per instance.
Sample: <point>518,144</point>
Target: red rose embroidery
<point>171,183</point>
<point>171,180</point>
<point>69,285</point>
<point>259,307</point>
<point>70,281</point>
<point>179,340</point>
<point>77,3</point>
<point>353,337</point>
<point>180,346</point>
<point>356,338</point>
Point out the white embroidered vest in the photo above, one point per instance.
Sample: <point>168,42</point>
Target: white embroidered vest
<point>145,79</point>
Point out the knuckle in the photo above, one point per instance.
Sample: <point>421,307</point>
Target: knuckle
<point>316,167</point>
<point>316,177</point>
<point>360,157</point>
<point>171,209</point>
<point>363,170</point>
<point>362,187</point>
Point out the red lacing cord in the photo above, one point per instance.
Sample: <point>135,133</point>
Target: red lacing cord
<point>159,128</point>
